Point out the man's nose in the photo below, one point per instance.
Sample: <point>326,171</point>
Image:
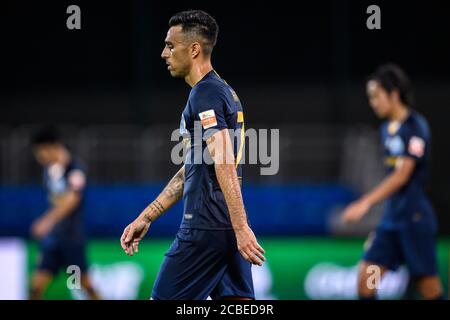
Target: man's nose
<point>164,54</point>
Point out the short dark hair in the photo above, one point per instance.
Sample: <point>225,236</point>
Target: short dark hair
<point>391,77</point>
<point>200,23</point>
<point>46,135</point>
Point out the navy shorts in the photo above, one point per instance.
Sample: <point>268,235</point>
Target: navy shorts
<point>58,255</point>
<point>202,263</point>
<point>413,244</point>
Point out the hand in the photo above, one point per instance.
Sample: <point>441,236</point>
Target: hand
<point>355,211</point>
<point>133,234</point>
<point>41,227</point>
<point>249,247</point>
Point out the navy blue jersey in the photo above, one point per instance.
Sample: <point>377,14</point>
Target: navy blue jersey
<point>410,138</point>
<point>212,106</point>
<point>58,180</point>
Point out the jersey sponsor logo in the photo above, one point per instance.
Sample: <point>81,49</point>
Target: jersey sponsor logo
<point>416,146</point>
<point>208,119</point>
<point>185,133</point>
<point>188,216</point>
<point>395,145</point>
<point>187,143</point>
<point>55,171</point>
<point>56,183</point>
<point>183,130</point>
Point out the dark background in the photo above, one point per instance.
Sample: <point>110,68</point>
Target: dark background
<point>300,63</point>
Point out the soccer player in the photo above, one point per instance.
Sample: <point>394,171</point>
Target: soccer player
<point>59,229</point>
<point>407,231</point>
<point>214,247</point>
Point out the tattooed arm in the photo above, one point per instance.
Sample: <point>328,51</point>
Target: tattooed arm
<point>135,231</point>
<point>167,198</point>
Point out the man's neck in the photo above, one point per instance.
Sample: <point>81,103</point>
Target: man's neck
<point>400,113</point>
<point>198,71</point>
<point>63,157</point>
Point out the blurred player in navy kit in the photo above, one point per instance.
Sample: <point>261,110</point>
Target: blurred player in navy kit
<point>214,247</point>
<point>407,231</point>
<point>59,230</point>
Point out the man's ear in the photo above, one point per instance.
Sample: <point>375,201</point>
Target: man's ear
<point>195,49</point>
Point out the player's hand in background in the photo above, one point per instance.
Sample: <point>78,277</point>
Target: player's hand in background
<point>41,227</point>
<point>355,211</point>
<point>249,247</point>
<point>133,234</point>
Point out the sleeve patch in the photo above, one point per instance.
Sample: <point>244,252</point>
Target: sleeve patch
<point>416,146</point>
<point>208,118</point>
<point>77,180</point>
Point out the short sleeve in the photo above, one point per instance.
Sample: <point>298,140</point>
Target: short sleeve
<point>209,107</point>
<point>76,180</point>
<point>415,144</point>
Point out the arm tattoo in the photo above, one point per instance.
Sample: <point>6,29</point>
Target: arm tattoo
<point>156,208</point>
<point>159,206</point>
<point>174,190</point>
<point>169,196</point>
